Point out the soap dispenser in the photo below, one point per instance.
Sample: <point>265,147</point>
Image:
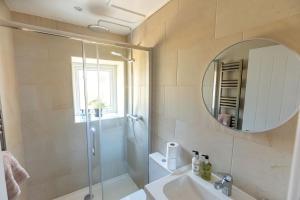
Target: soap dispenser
<point>205,170</point>
<point>196,163</point>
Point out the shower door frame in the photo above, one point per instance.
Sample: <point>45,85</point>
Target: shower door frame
<point>84,39</point>
<point>69,35</point>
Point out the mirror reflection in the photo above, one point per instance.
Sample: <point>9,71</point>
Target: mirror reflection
<point>253,86</point>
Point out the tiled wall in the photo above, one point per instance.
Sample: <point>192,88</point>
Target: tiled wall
<point>185,36</point>
<point>9,94</point>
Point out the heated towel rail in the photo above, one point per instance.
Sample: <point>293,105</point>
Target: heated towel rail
<point>229,90</point>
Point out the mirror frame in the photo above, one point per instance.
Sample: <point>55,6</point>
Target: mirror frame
<point>293,114</point>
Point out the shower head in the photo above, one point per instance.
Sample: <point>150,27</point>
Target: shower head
<point>131,60</point>
<point>116,54</point>
<point>98,28</point>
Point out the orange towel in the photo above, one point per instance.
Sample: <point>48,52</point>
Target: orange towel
<point>15,174</point>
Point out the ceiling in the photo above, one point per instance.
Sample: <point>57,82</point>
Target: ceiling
<point>126,12</point>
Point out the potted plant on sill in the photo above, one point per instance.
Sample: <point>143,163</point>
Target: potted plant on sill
<point>97,106</point>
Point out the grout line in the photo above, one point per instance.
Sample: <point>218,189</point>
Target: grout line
<point>177,73</point>
<point>232,152</point>
<point>215,35</point>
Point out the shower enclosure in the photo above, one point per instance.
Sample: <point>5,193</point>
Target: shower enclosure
<point>84,115</point>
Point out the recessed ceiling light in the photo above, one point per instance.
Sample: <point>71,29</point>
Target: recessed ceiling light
<point>79,9</point>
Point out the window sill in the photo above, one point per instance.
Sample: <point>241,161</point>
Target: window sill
<point>81,119</point>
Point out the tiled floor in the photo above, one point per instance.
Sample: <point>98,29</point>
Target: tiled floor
<point>114,189</point>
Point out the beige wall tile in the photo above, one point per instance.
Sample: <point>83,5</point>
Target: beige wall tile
<point>197,136</point>
<point>285,31</point>
<point>158,144</point>
<point>194,57</point>
<point>190,67</point>
<point>188,107</point>
<point>156,25</point>
<point>236,16</point>
<point>280,139</point>
<point>170,109</point>
<point>10,96</point>
<point>158,100</point>
<point>163,127</point>
<point>165,65</point>
<point>192,22</point>
<point>259,164</point>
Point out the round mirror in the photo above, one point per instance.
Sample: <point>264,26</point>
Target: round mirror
<point>253,86</point>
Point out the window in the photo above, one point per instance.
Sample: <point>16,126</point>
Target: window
<point>105,83</point>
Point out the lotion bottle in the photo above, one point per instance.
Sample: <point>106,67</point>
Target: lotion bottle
<point>206,167</point>
<point>196,163</point>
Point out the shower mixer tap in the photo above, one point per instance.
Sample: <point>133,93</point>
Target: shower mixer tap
<point>134,117</point>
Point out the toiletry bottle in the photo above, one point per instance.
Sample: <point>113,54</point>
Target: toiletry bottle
<point>196,163</point>
<point>205,170</point>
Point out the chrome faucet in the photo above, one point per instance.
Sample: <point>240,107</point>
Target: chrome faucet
<point>225,184</point>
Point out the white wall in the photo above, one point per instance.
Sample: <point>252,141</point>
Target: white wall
<point>3,193</point>
<point>294,185</point>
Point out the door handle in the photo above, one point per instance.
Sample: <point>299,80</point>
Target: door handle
<point>93,134</point>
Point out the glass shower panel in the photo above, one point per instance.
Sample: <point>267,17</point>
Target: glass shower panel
<point>112,137</point>
<point>124,140</point>
<point>51,117</point>
<point>94,104</point>
<point>138,130</point>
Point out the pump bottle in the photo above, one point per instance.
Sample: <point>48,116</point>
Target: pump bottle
<point>196,163</point>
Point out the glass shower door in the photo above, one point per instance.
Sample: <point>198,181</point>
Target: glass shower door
<point>116,96</point>
<point>93,112</point>
<point>125,137</point>
<point>112,137</point>
<point>138,127</point>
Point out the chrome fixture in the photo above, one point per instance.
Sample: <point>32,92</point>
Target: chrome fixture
<point>130,60</point>
<point>98,27</point>
<point>225,184</point>
<point>69,35</point>
<point>93,133</point>
<point>134,117</point>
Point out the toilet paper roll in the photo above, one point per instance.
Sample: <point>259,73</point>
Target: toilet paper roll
<point>172,150</point>
<point>171,163</point>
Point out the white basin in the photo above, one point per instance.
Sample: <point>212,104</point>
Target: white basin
<point>179,188</point>
<point>183,184</point>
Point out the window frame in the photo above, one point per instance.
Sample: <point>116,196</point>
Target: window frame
<point>92,65</point>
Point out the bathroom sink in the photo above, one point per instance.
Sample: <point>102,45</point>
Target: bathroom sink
<point>183,184</point>
<point>185,187</point>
